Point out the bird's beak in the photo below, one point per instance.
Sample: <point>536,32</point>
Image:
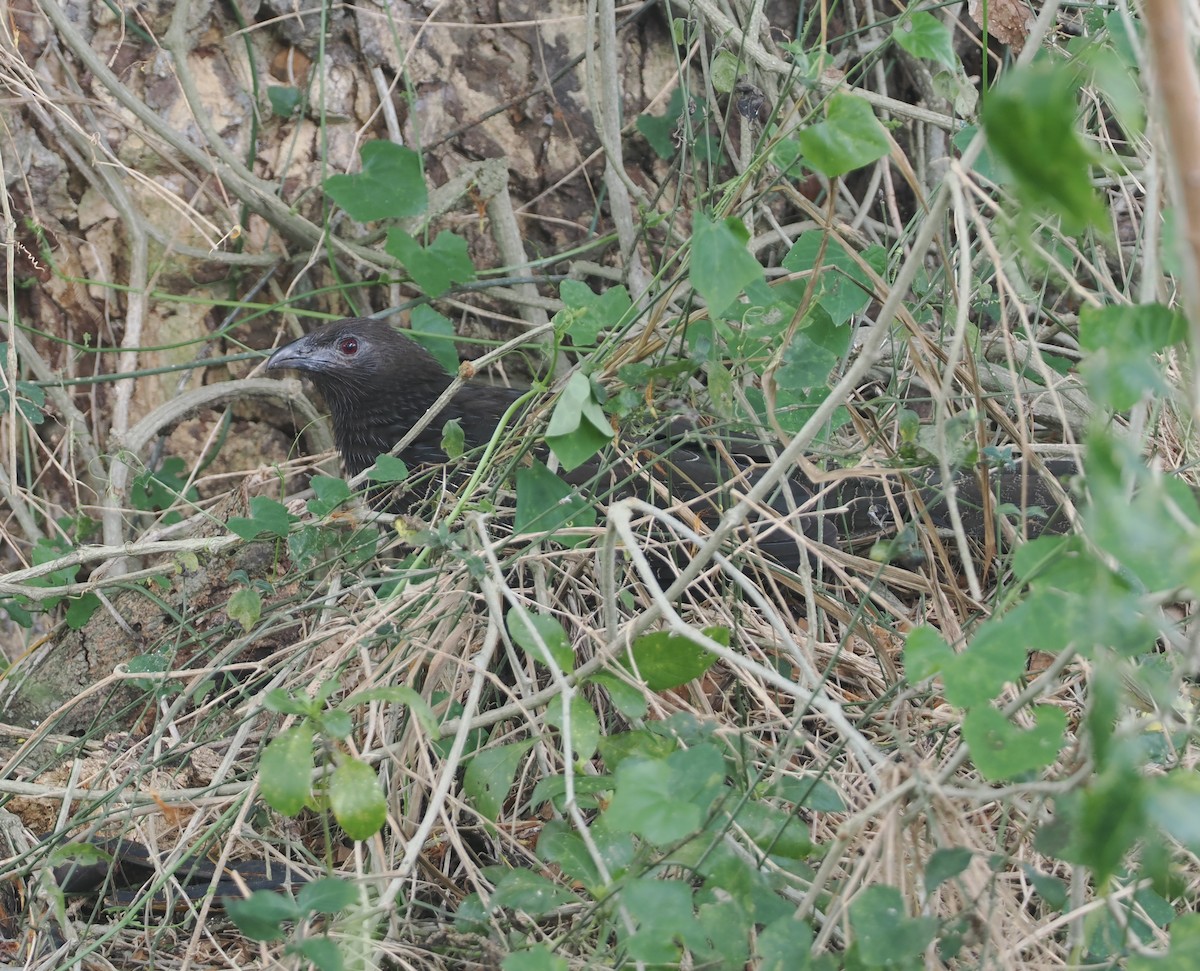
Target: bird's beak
<point>296,355</point>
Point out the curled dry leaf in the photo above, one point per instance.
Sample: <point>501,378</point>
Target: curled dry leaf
<point>1007,20</point>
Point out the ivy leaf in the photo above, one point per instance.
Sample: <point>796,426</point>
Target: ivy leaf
<point>1030,119</point>
<point>578,428</point>
<point>245,607</point>
<point>849,137</point>
<point>722,266</point>
<point>436,267</point>
<point>390,185</point>
<point>266,516</point>
<point>924,36</point>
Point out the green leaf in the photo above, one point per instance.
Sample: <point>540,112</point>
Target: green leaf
<point>553,788</point>
<point>664,800</point>
<point>924,36</point>
<point>849,137</point>
<point>390,185</point>
<point>585,727</point>
<point>396,694</point>
<point>585,313</point>
<point>774,831</point>
<point>80,610</point>
<point>664,660</point>
<point>722,267</point>
<point>1122,340</point>
<point>627,698</point>
<point>1001,750</point>
<point>945,865</point>
<point>549,632</point>
<point>454,441</point>
<point>531,893</point>
<point>724,71</point>
<point>560,845</point>
<point>809,791</point>
<point>357,800</point>
<point>490,774</point>
<point>1171,803</point>
<point>997,654</point>
<point>262,915</point>
<point>665,916</point>
<point>1030,119</point>
<point>327,895</point>
<point>536,958</point>
<point>843,288</point>
<point>883,934</point>
<point>335,723</point>
<point>436,334</point>
<point>388,468</point>
<point>434,268</point>
<point>545,503</point>
<point>813,352</point>
<point>331,493</point>
<point>784,945</point>
<point>659,130</point>
<point>925,654</point>
<point>245,607</point>
<point>285,771</point>
<point>1111,818</point>
<point>578,427</point>
<point>284,101</point>
<point>322,953</point>
<point>266,516</point>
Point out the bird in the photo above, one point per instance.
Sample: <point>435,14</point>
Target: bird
<point>378,383</point>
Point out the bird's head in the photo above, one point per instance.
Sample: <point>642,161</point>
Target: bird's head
<point>355,351</point>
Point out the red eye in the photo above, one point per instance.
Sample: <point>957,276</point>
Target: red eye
<point>348,346</point>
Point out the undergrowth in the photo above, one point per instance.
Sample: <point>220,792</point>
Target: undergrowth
<point>533,728</point>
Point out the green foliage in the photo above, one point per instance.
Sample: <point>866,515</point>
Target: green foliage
<point>585,313</point>
<point>388,468</point>
<point>435,333</point>
<point>849,137</point>
<point>541,637</point>
<point>245,607</point>
<point>545,503</point>
<point>722,266</point>
<point>265,915</point>
<point>31,399</point>
<point>285,101</point>
<point>725,66</point>
<point>1031,121</point>
<point>157,491</point>
<point>883,936</point>
<point>578,427</point>
<point>685,123</point>
<point>1121,342</point>
<point>267,517</point>
<point>351,790</point>
<point>490,775</point>
<point>665,661</point>
<point>924,36</point>
<point>434,268</point>
<point>841,286</point>
<point>391,184</point>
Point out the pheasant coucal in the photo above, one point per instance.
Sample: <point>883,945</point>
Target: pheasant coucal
<point>378,382</point>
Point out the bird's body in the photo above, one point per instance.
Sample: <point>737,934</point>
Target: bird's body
<point>378,383</point>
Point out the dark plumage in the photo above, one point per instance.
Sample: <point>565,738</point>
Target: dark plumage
<point>379,382</point>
